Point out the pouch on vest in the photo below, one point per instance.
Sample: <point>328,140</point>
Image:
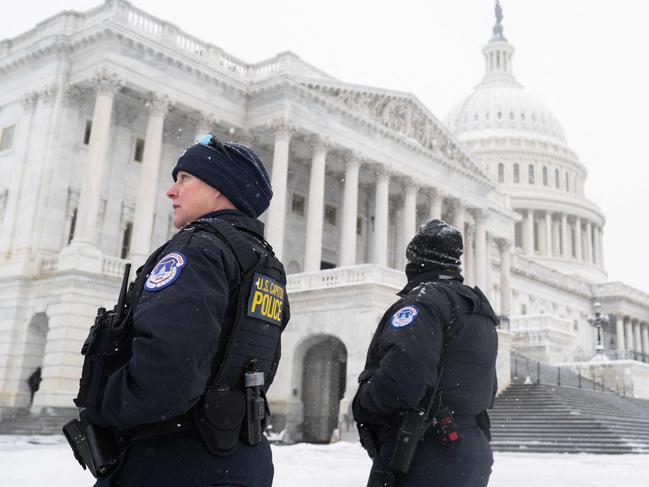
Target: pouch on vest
<point>255,336</point>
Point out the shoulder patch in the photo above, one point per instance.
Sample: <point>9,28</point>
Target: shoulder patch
<point>266,300</point>
<point>165,272</point>
<point>404,316</point>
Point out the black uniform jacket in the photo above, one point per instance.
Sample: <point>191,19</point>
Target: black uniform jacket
<point>181,327</point>
<point>420,332</point>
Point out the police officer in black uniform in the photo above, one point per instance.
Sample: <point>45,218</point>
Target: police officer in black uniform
<point>178,407</point>
<point>440,337</point>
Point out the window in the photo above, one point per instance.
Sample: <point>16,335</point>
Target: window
<point>330,215</point>
<point>7,137</point>
<point>86,134</point>
<point>297,204</point>
<point>139,150</point>
<point>327,265</point>
<point>556,178</point>
<point>501,173</point>
<point>359,226</point>
<point>73,223</point>
<point>126,240</point>
<point>567,182</point>
<point>518,235</point>
<point>530,174</point>
<point>517,175</point>
<point>545,176</point>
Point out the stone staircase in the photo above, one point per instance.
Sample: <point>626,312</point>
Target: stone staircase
<point>48,422</point>
<point>559,419</point>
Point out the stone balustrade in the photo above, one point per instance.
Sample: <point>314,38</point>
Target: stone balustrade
<point>346,276</point>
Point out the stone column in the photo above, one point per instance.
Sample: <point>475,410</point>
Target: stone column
<point>578,240</point>
<point>637,340</point>
<point>630,345</point>
<point>279,176</point>
<point>619,332</point>
<point>596,252</point>
<point>589,243</point>
<point>458,222</point>
<point>148,180</point>
<point>481,264</point>
<point>347,253</point>
<point>381,208</point>
<point>204,123</point>
<point>85,230</point>
<point>528,233</point>
<point>565,240</point>
<point>505,248</point>
<point>645,338</point>
<point>436,198</point>
<point>469,255</point>
<point>409,210</point>
<point>21,145</point>
<point>556,239</point>
<point>548,234</point>
<point>487,285</point>
<point>600,234</point>
<point>315,206</point>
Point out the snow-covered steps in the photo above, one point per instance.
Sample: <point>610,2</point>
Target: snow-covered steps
<point>542,418</point>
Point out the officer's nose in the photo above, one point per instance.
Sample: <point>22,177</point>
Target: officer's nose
<point>172,192</point>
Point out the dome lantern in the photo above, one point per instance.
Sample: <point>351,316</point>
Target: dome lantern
<point>498,54</point>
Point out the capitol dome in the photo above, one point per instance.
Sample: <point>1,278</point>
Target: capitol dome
<point>524,149</point>
<point>504,109</point>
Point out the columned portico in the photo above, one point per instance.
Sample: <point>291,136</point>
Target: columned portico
<point>315,208</point>
<point>565,237</point>
<point>350,210</point>
<point>18,171</point>
<point>579,242</point>
<point>381,207</point>
<point>548,234</point>
<point>436,199</point>
<point>505,248</point>
<point>409,210</point>
<point>481,264</point>
<point>279,178</point>
<point>85,230</point>
<point>628,329</point>
<point>148,180</point>
<point>619,332</point>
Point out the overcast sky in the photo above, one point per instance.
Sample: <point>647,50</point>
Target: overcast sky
<point>585,59</point>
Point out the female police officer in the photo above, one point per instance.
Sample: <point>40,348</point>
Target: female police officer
<point>433,352</point>
<point>178,404</point>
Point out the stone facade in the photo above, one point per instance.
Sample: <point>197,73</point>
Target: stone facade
<point>95,108</point>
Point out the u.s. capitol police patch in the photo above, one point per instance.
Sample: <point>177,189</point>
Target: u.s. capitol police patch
<point>165,272</point>
<point>404,317</point>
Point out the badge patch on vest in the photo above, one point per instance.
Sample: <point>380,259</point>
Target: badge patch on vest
<point>165,272</point>
<point>404,317</point>
<point>266,299</point>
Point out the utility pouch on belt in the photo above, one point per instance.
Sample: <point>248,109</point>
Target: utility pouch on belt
<point>234,407</point>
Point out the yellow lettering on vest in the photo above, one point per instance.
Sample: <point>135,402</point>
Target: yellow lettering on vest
<point>256,300</point>
<point>265,306</point>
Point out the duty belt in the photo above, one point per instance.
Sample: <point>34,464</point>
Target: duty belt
<point>183,422</point>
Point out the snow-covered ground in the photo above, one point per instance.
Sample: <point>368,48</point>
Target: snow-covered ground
<point>39,461</point>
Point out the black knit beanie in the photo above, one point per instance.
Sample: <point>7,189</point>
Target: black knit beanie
<point>436,244</point>
<point>234,170</point>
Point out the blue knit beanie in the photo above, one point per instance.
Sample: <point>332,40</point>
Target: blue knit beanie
<point>234,170</point>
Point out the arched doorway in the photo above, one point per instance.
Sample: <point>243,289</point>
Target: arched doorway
<point>324,369</point>
<point>33,355</point>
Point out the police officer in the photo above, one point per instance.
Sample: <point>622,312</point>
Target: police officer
<point>439,336</point>
<point>175,423</point>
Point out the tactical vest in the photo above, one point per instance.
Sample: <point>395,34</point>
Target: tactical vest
<point>254,341</point>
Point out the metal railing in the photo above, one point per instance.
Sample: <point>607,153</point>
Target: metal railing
<point>627,355</point>
<point>525,370</point>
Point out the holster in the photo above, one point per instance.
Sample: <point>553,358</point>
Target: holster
<point>93,447</point>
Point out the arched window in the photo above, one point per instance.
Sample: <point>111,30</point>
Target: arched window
<point>567,182</point>
<point>530,171</point>
<point>517,175</point>
<point>501,172</point>
<point>545,176</point>
<point>556,178</point>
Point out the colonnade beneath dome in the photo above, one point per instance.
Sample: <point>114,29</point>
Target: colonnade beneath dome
<point>561,236</point>
<point>632,335</point>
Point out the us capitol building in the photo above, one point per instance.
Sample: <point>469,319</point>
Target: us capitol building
<point>96,107</point>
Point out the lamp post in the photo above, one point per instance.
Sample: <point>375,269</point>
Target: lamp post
<point>599,320</point>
